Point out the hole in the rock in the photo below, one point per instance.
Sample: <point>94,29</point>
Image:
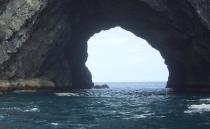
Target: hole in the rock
<point>117,55</point>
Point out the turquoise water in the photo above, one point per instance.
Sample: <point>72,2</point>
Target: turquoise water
<point>123,106</point>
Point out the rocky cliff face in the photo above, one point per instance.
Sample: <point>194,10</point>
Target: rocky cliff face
<point>48,38</point>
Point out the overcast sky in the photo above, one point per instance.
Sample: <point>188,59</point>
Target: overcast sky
<point>117,55</point>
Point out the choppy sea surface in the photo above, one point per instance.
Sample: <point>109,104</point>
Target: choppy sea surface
<point>123,106</point>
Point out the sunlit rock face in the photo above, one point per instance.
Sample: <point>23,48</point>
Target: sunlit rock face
<point>48,38</point>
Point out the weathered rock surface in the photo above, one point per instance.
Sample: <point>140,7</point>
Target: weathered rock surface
<point>48,38</point>
<point>26,85</point>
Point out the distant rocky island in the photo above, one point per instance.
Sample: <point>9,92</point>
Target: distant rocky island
<point>103,86</point>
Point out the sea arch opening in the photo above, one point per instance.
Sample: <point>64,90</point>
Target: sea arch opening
<point>118,55</point>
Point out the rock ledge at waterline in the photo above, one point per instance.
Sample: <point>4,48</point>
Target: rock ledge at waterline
<point>26,85</point>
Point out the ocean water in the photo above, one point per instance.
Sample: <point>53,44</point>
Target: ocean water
<point>123,106</point>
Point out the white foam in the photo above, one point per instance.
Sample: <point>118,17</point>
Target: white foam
<point>11,108</point>
<point>32,110</point>
<point>54,124</point>
<point>2,117</point>
<point>198,108</point>
<point>25,91</point>
<point>160,116</point>
<point>24,109</point>
<point>207,99</point>
<point>142,116</point>
<point>66,94</point>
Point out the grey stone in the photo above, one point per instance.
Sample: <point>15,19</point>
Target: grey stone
<point>40,38</point>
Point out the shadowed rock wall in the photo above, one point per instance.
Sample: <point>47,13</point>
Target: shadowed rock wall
<point>48,38</point>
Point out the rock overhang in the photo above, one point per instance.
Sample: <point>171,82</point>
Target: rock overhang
<point>48,39</point>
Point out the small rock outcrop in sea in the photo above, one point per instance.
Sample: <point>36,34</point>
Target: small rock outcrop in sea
<point>26,85</point>
<point>104,86</point>
<point>48,38</point>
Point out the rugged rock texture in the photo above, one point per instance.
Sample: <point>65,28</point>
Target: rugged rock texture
<point>26,85</point>
<point>48,38</point>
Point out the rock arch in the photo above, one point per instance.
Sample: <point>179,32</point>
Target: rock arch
<point>48,39</point>
<point>117,55</point>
